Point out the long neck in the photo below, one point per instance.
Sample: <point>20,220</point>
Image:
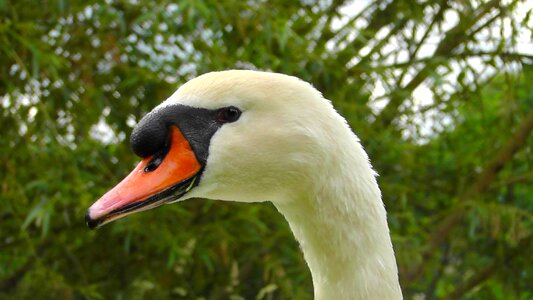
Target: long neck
<point>343,232</point>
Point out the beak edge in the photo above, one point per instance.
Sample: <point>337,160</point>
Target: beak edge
<point>142,190</point>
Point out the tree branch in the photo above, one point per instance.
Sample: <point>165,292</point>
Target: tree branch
<point>439,16</point>
<point>486,273</point>
<point>507,56</point>
<point>454,37</point>
<point>355,71</point>
<point>521,178</point>
<point>482,184</point>
<point>379,19</point>
<point>331,12</point>
<point>337,36</point>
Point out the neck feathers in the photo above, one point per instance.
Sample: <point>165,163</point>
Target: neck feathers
<point>342,229</point>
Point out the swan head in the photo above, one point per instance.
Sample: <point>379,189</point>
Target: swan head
<point>236,135</point>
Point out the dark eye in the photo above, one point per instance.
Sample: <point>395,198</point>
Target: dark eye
<point>228,114</point>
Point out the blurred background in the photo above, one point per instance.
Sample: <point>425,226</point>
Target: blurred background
<point>439,91</point>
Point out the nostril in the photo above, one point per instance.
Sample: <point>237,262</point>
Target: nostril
<point>153,164</point>
<point>157,159</point>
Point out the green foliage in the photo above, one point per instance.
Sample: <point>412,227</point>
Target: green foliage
<point>75,76</point>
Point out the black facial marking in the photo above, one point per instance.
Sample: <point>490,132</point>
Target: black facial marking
<point>197,125</point>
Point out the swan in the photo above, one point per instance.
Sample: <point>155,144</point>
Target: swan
<point>253,136</point>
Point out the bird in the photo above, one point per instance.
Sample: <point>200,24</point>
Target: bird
<point>254,136</point>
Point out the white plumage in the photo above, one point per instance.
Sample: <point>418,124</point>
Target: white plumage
<point>292,148</point>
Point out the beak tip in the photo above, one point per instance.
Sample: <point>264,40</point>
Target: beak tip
<point>91,223</point>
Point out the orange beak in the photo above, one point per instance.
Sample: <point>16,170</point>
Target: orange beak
<point>156,180</point>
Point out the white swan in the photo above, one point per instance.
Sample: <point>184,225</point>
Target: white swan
<point>255,136</point>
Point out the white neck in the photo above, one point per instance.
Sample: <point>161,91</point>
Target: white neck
<point>342,229</point>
